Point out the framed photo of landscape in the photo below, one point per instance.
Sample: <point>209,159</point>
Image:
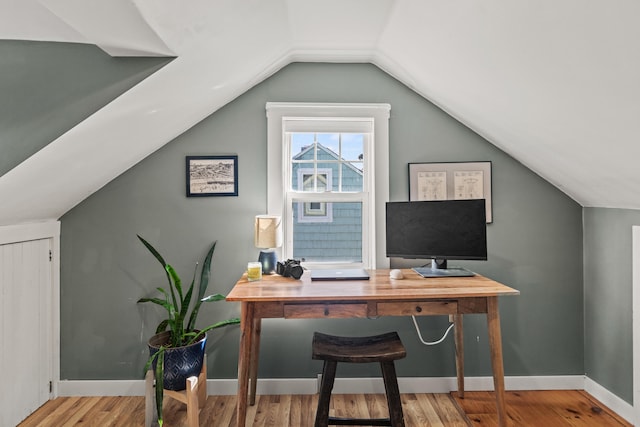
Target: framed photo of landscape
<point>212,176</point>
<point>451,181</point>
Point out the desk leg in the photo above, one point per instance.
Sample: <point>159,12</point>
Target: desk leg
<point>459,340</point>
<point>255,356</point>
<point>495,343</point>
<point>244,357</point>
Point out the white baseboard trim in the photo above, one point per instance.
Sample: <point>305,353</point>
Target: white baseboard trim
<point>90,388</point>
<point>366,385</point>
<point>613,402</point>
<point>342,385</point>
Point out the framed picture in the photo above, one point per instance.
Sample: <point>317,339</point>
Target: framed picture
<point>451,181</point>
<point>212,176</point>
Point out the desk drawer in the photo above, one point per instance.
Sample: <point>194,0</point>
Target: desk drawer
<point>314,311</point>
<point>417,308</point>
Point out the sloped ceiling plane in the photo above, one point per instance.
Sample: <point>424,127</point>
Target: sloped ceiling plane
<point>553,84</point>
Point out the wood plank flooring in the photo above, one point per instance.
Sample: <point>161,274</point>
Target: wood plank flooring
<point>525,409</point>
<point>540,408</point>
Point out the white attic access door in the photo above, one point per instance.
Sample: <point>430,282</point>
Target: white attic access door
<point>26,326</point>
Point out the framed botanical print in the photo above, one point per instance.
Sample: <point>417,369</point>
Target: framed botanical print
<point>451,181</point>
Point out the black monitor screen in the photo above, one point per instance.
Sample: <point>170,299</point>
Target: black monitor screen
<point>443,229</point>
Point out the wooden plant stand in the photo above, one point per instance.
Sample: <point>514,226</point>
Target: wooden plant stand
<point>194,396</point>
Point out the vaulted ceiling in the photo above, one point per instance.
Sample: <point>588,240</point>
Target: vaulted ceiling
<point>553,83</point>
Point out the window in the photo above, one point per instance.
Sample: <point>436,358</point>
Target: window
<point>317,180</point>
<point>321,180</point>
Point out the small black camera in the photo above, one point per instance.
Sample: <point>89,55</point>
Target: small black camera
<point>290,268</point>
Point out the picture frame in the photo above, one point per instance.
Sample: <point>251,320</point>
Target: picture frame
<point>451,181</point>
<point>211,176</point>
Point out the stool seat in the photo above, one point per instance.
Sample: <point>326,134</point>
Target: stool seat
<point>383,349</point>
<point>378,348</point>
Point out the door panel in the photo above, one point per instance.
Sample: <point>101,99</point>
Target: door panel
<point>25,328</point>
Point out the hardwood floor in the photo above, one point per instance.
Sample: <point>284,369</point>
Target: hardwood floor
<point>525,409</point>
<point>540,408</point>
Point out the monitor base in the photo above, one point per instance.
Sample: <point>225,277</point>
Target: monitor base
<point>443,272</point>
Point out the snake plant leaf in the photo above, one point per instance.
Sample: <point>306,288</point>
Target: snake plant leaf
<point>204,283</point>
<point>158,375</point>
<point>177,283</point>
<point>153,250</point>
<point>162,326</point>
<point>206,271</point>
<point>163,292</point>
<point>162,262</point>
<point>160,384</point>
<point>220,324</point>
<point>161,302</point>
<point>213,297</point>
<point>147,365</point>
<point>187,298</point>
<point>157,256</point>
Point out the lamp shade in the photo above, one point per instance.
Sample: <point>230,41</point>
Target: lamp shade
<point>268,232</point>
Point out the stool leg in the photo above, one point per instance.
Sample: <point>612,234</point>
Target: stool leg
<point>193,407</point>
<point>393,394</point>
<point>328,378</point>
<point>202,384</point>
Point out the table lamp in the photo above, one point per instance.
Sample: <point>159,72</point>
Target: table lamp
<point>268,236</point>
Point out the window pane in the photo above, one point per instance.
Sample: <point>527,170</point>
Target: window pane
<point>329,141</point>
<point>339,240</point>
<point>314,212</point>
<point>353,146</point>
<point>307,182</point>
<point>352,176</point>
<point>341,153</point>
<point>311,180</point>
<point>304,179</point>
<point>300,141</point>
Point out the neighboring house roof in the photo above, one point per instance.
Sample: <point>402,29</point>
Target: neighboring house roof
<point>306,150</point>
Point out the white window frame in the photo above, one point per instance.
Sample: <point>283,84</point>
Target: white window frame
<point>285,117</point>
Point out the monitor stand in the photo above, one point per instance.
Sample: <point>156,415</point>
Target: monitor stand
<point>439,269</point>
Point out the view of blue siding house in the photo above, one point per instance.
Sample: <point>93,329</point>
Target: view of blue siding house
<point>326,232</point>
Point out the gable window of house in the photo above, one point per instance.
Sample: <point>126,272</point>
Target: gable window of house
<point>312,180</point>
<point>328,179</point>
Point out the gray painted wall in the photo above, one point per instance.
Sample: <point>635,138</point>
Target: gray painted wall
<point>608,298</point>
<point>535,244</point>
<point>47,88</point>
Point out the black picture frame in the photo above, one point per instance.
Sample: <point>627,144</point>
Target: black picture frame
<point>211,176</point>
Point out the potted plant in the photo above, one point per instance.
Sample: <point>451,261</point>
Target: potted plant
<point>177,348</point>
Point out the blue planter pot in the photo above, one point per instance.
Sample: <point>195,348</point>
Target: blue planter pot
<point>180,363</point>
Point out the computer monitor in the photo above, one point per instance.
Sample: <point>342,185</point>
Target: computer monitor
<point>440,230</point>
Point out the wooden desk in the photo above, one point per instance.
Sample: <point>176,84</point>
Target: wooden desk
<point>279,297</point>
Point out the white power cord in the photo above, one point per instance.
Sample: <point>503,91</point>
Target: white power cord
<point>434,342</point>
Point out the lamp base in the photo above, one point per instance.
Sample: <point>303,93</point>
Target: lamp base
<point>268,259</point>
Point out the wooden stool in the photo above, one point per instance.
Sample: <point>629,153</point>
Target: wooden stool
<point>194,396</point>
<point>383,349</point>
